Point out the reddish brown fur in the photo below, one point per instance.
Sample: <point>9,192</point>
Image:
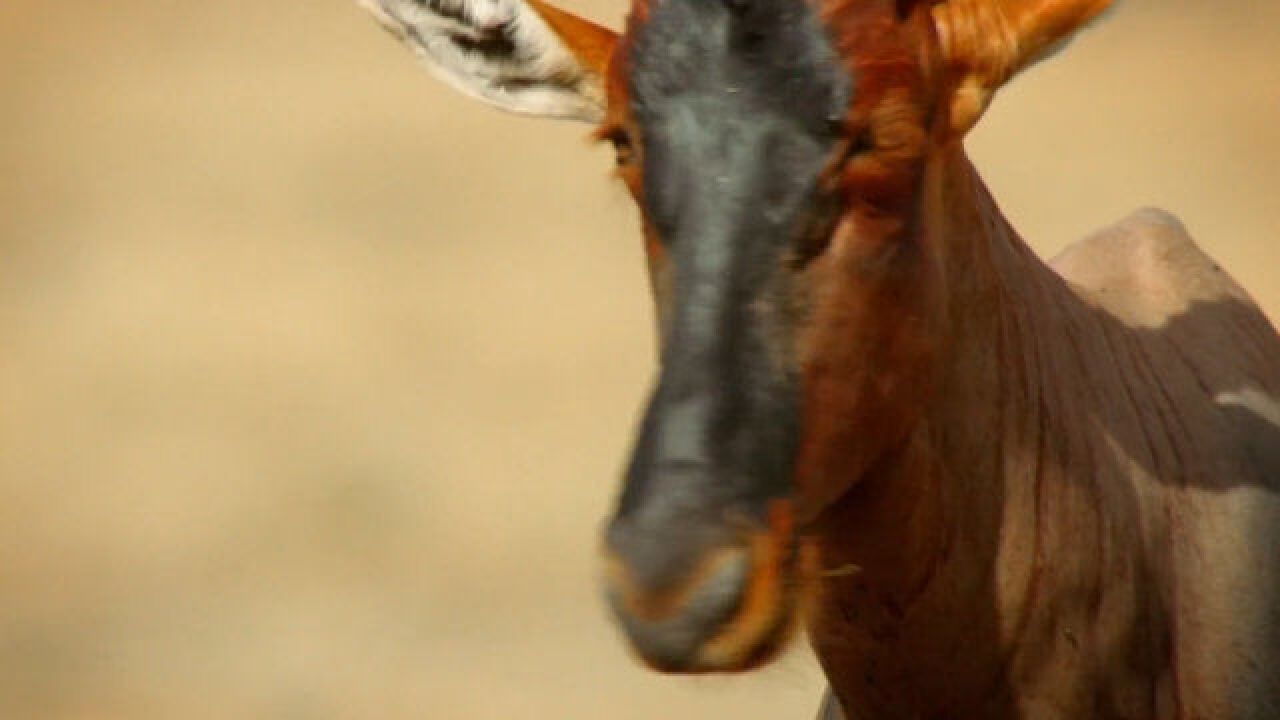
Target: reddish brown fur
<point>1035,493</point>
<point>919,345</point>
<point>942,453</point>
<point>865,351</point>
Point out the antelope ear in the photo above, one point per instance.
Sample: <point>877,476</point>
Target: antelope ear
<point>522,56</point>
<point>986,42</point>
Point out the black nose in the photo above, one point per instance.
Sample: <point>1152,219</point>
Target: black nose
<point>701,593</point>
<point>670,625</point>
<point>673,597</point>
<point>695,564</point>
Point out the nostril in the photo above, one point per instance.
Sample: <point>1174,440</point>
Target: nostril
<point>714,597</point>
<point>661,552</point>
<point>660,571</point>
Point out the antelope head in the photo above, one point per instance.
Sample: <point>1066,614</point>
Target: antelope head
<point>780,155</point>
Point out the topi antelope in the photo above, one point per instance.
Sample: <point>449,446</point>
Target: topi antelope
<point>989,487</point>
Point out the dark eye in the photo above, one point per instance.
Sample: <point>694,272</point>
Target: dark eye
<point>861,142</point>
<point>817,229</point>
<point>623,150</point>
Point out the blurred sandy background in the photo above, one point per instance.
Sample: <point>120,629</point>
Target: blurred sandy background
<point>315,378</point>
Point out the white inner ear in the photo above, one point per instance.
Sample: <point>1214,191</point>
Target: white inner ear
<point>500,51</point>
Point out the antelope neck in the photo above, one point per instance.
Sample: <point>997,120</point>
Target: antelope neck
<point>911,549</point>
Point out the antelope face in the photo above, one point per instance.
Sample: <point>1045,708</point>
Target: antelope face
<point>732,113</point>
<point>778,151</point>
<point>776,177</point>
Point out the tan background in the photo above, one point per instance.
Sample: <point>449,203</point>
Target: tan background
<point>315,378</point>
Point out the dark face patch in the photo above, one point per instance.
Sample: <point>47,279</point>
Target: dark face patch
<point>739,107</point>
<point>739,104</point>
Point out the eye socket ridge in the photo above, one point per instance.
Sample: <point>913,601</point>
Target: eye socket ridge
<point>817,227</point>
